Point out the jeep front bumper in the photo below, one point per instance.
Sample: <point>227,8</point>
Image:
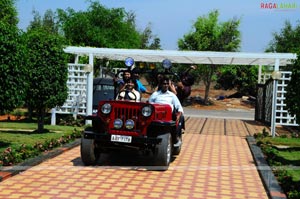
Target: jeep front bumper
<point>107,138</point>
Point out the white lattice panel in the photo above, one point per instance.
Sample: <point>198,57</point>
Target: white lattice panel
<point>264,77</point>
<point>77,86</point>
<point>282,115</point>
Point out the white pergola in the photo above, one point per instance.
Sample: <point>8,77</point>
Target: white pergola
<point>184,57</point>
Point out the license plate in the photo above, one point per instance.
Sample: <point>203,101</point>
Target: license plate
<point>121,138</point>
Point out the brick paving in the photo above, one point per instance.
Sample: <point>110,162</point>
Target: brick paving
<point>215,162</point>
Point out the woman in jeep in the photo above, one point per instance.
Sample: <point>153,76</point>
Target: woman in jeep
<point>128,91</point>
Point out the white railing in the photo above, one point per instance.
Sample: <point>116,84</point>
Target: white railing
<point>281,112</point>
<point>264,77</point>
<point>77,87</point>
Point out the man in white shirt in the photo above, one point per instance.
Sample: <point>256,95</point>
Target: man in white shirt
<point>164,96</point>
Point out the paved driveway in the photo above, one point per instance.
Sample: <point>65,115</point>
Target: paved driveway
<point>215,162</point>
<point>240,114</point>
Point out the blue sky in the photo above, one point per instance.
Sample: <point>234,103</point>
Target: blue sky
<point>171,19</point>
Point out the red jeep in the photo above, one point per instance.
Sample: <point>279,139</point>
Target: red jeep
<point>136,125</point>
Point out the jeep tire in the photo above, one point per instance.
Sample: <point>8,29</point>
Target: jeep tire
<point>164,150</point>
<point>177,149</point>
<point>89,154</point>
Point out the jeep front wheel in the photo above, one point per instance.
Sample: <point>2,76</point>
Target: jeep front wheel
<point>164,150</point>
<point>89,154</point>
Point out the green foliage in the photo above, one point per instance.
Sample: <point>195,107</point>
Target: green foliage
<point>287,40</point>
<point>100,27</point>
<point>289,156</point>
<point>18,113</point>
<point>286,182</point>
<point>47,23</point>
<point>147,37</point>
<point>281,169</point>
<point>265,133</point>
<point>68,120</point>
<point>8,13</point>
<point>227,77</point>
<point>262,135</point>
<point>209,35</point>
<point>293,91</point>
<point>270,152</point>
<point>12,59</point>
<point>243,78</point>
<point>282,161</point>
<point>13,155</point>
<point>48,72</point>
<point>294,194</point>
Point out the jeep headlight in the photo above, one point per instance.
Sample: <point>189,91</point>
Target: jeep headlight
<point>129,124</point>
<point>118,123</point>
<point>146,111</point>
<point>106,108</point>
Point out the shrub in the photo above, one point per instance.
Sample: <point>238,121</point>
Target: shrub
<point>70,121</point>
<point>285,179</point>
<point>11,156</point>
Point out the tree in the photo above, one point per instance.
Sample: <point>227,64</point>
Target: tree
<point>288,41</point>
<point>209,35</point>
<point>103,27</point>
<point>48,72</point>
<point>48,22</point>
<point>12,63</point>
<point>148,40</point>
<point>100,27</point>
<point>242,78</point>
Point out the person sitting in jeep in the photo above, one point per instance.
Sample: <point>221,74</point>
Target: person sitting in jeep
<point>140,87</point>
<point>128,92</point>
<point>120,83</point>
<point>165,96</point>
<point>183,88</point>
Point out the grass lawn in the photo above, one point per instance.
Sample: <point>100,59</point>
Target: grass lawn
<point>284,152</point>
<point>294,142</point>
<point>13,134</point>
<point>295,173</point>
<point>292,159</point>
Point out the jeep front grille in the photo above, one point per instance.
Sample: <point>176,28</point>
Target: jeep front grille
<point>128,113</point>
